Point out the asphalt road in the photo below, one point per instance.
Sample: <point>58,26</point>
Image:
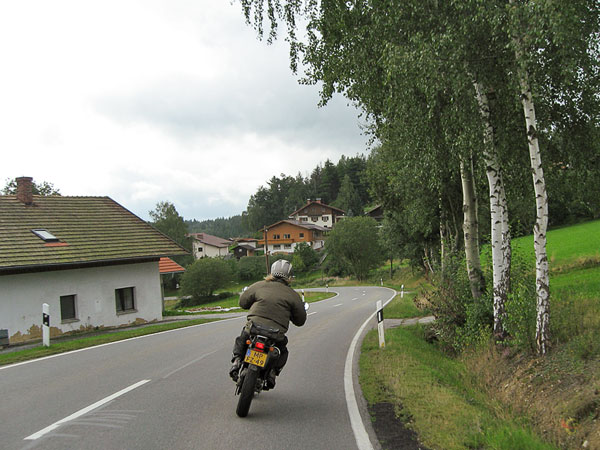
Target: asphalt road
<point>172,391</point>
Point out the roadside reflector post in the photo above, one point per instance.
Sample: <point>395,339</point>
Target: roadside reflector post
<point>402,292</point>
<point>327,287</point>
<point>303,295</point>
<point>382,281</point>
<point>46,324</point>
<point>380,328</point>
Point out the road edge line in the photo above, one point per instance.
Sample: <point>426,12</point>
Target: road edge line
<point>358,427</point>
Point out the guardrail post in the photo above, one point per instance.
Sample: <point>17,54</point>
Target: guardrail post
<point>380,328</point>
<point>46,324</point>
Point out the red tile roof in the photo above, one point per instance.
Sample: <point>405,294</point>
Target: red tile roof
<point>167,265</point>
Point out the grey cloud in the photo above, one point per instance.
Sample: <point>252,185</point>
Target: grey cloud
<point>267,105</point>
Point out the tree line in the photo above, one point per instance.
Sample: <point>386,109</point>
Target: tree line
<point>343,184</point>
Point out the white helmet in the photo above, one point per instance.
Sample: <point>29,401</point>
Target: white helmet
<point>281,269</point>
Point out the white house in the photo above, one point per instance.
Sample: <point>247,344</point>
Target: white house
<point>317,213</point>
<point>92,261</point>
<point>207,245</point>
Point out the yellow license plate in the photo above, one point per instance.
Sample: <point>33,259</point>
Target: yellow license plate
<point>257,358</point>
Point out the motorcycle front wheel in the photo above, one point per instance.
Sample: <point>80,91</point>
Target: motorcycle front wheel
<point>247,392</point>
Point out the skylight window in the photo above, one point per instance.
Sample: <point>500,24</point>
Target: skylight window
<point>45,235</point>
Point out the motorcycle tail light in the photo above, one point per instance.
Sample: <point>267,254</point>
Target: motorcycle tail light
<point>260,346</point>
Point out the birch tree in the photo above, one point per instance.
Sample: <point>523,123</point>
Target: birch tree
<point>557,46</point>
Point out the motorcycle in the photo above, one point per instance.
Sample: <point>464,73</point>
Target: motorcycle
<point>261,354</point>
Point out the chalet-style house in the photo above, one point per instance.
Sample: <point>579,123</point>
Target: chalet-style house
<point>317,213</point>
<point>245,247</point>
<point>205,245</point>
<point>376,213</point>
<point>283,236</point>
<point>91,260</point>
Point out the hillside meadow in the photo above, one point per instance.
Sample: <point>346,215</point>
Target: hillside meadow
<point>498,397</point>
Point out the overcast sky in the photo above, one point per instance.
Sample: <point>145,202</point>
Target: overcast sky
<point>147,101</point>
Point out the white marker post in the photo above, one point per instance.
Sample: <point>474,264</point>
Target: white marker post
<point>303,296</point>
<point>46,324</point>
<point>402,292</point>
<point>380,324</point>
<point>327,287</point>
<point>382,281</point>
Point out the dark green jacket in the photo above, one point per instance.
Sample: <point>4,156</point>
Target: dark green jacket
<point>273,304</point>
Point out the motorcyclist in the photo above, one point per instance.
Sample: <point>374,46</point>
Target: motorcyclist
<point>271,303</point>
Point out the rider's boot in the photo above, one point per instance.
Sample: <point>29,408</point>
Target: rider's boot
<point>235,368</point>
<point>271,378</point>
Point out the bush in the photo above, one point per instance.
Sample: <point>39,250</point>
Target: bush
<point>304,257</point>
<point>354,242</point>
<point>520,319</point>
<point>251,268</point>
<point>461,321</point>
<point>204,277</point>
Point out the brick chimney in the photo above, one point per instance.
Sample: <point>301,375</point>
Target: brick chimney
<point>25,190</point>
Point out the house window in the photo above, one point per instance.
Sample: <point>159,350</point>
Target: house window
<point>304,219</point>
<point>325,218</point>
<point>314,218</point>
<point>287,245</point>
<point>277,246</point>
<point>68,309</point>
<point>125,298</point>
<point>275,236</point>
<point>301,235</point>
<point>287,236</point>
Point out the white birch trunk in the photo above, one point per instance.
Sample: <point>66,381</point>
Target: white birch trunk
<point>500,235</point>
<point>471,228</point>
<point>542,276</point>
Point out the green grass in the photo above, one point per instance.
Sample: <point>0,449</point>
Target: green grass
<point>437,395</point>
<point>62,345</point>
<point>566,246</point>
<point>403,308</point>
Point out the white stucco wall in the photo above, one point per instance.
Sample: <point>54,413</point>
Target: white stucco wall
<point>324,220</point>
<point>202,250</point>
<point>21,298</point>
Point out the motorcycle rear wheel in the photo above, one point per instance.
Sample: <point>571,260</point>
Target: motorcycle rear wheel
<point>247,392</point>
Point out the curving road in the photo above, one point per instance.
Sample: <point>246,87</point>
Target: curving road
<point>171,390</point>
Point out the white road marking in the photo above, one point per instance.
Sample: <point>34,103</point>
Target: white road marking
<point>360,433</point>
<point>85,410</point>
<point>355,299</point>
<point>339,304</point>
<point>189,364</point>
<point>310,314</point>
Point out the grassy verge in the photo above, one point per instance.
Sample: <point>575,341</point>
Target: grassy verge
<point>231,302</point>
<point>403,308</point>
<point>61,346</point>
<point>436,396</point>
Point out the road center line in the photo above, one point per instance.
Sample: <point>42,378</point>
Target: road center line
<point>189,363</point>
<point>310,314</point>
<point>339,304</point>
<point>85,410</point>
